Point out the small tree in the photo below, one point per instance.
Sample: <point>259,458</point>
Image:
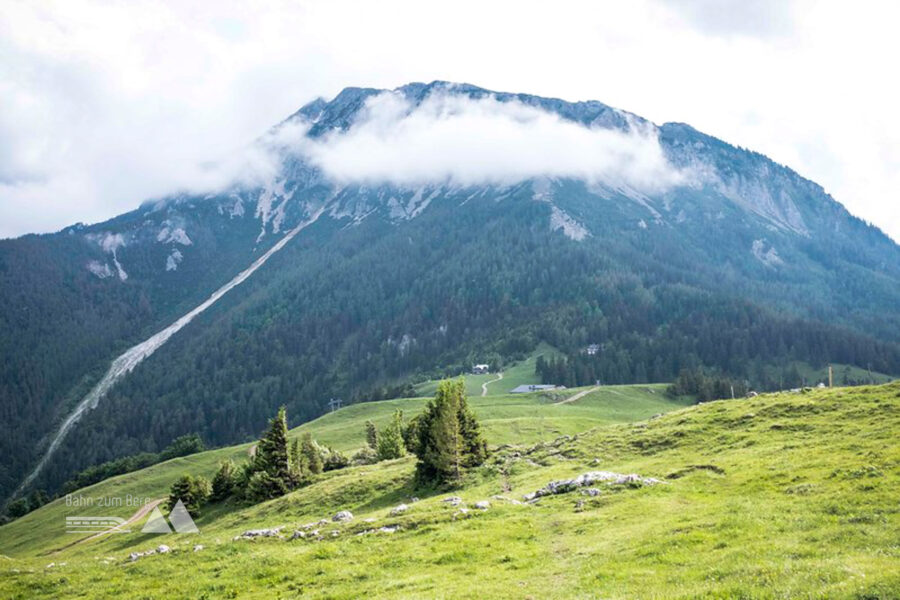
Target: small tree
<point>411,434</point>
<point>272,451</point>
<point>298,469</point>
<point>261,486</point>
<point>390,442</point>
<point>449,436</point>
<point>333,459</point>
<point>371,435</point>
<point>192,491</point>
<point>312,458</point>
<point>224,482</point>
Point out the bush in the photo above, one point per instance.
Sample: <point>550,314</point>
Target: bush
<point>333,459</point>
<point>261,486</point>
<point>192,491</point>
<point>364,456</point>
<point>390,441</point>
<point>224,482</point>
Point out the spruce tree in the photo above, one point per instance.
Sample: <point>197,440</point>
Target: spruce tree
<point>439,450</point>
<point>192,491</point>
<point>272,450</point>
<point>311,455</point>
<point>371,435</point>
<point>224,481</point>
<point>390,442</point>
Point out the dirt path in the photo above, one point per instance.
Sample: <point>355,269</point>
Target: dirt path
<point>578,396</point>
<point>137,516</point>
<point>485,384</point>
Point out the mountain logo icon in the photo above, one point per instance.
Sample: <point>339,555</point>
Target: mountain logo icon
<point>179,517</point>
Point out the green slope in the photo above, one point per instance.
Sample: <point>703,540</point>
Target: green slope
<point>781,496</point>
<point>520,373</point>
<point>517,418</point>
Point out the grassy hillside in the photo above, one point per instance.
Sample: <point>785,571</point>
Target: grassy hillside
<point>784,495</point>
<point>520,373</point>
<point>517,418</point>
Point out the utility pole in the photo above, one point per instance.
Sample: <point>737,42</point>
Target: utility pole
<point>830,376</point>
<point>334,403</point>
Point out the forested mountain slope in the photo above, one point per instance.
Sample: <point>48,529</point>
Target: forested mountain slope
<point>738,264</point>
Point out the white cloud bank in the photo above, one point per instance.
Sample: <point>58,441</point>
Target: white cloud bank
<point>106,104</point>
<point>465,141</point>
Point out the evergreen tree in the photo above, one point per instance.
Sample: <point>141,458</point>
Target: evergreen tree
<point>312,458</point>
<point>390,442</point>
<point>261,486</point>
<point>449,436</point>
<point>192,491</point>
<point>296,461</point>
<point>224,482</point>
<point>371,435</point>
<point>272,450</point>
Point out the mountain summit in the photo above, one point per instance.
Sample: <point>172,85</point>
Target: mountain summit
<point>388,236</point>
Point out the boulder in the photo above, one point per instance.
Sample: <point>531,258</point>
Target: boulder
<point>298,535</point>
<point>453,500</point>
<point>198,547</point>
<point>342,516</point>
<point>482,505</point>
<point>162,549</point>
<point>399,510</point>
<point>254,533</point>
<point>563,486</point>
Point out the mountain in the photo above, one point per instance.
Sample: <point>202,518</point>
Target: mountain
<point>316,286</point>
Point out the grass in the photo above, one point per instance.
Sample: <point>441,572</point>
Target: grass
<point>520,373</point>
<point>516,418</point>
<point>779,496</point>
<point>814,375</point>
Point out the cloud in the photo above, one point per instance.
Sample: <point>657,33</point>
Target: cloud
<point>105,105</point>
<point>757,18</point>
<point>465,141</point>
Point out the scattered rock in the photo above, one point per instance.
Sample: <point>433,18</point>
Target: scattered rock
<point>370,520</point>
<point>298,535</point>
<point>505,499</point>
<point>482,505</point>
<point>399,510</point>
<point>413,499</point>
<point>198,547</point>
<point>389,529</point>
<point>453,500</point>
<point>343,516</point>
<point>461,513</point>
<point>656,416</point>
<point>254,533</point>
<point>335,533</point>
<point>136,555</point>
<point>591,492</point>
<point>563,486</point>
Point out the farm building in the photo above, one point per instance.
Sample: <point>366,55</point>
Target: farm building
<point>481,369</point>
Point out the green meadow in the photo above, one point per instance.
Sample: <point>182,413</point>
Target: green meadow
<point>779,496</point>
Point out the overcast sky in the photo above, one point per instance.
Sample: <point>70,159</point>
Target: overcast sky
<point>103,105</point>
